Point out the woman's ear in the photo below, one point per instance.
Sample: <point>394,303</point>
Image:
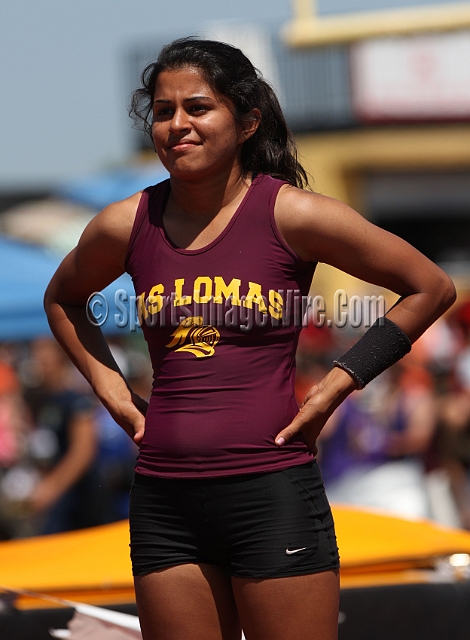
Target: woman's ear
<point>250,124</point>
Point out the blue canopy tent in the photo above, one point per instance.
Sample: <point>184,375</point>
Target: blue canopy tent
<point>25,271</point>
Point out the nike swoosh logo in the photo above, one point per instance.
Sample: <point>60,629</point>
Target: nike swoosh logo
<point>291,551</point>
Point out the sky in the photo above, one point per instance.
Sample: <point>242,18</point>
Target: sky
<point>64,70</point>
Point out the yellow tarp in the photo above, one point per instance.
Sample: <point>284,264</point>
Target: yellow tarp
<point>98,558</point>
<point>89,558</point>
<point>368,538</point>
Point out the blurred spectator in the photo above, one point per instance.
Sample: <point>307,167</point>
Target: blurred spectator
<point>12,435</point>
<point>314,356</point>
<point>115,467</point>
<point>395,445</point>
<point>11,416</point>
<point>372,448</point>
<point>63,444</point>
<point>116,451</point>
<point>64,462</point>
<point>461,321</point>
<point>453,441</point>
<point>451,452</point>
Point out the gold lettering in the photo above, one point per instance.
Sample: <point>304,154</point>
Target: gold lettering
<point>207,282</point>
<point>227,291</point>
<point>155,300</point>
<point>180,299</point>
<point>275,304</point>
<point>255,295</point>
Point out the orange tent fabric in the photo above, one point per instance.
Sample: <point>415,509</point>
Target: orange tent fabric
<point>367,538</point>
<point>98,558</point>
<point>95,558</point>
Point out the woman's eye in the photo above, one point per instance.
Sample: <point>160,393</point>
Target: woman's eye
<point>159,113</point>
<point>168,112</point>
<point>199,108</point>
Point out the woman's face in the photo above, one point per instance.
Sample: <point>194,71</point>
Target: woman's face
<point>194,130</point>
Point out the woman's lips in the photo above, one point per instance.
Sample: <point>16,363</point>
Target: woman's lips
<point>182,145</point>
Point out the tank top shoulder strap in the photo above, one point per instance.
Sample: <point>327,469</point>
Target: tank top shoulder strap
<point>267,190</point>
<point>148,213</point>
<point>266,187</point>
<point>263,196</point>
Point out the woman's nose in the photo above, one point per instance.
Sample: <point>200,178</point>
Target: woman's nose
<point>180,120</point>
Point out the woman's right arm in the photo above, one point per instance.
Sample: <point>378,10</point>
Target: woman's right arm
<point>97,261</point>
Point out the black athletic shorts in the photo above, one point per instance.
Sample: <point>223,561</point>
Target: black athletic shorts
<point>256,525</point>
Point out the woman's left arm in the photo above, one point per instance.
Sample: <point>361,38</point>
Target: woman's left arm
<point>322,229</point>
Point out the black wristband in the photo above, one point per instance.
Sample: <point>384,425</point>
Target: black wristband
<point>380,347</point>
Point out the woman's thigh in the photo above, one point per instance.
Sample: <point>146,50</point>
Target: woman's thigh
<point>187,602</point>
<point>293,608</point>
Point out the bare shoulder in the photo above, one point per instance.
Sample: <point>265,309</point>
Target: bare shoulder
<point>305,205</point>
<point>322,229</point>
<point>99,257</point>
<point>306,220</point>
<point>106,238</point>
<point>114,223</point>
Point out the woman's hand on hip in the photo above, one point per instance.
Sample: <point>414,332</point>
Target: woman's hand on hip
<point>320,402</point>
<point>130,415</point>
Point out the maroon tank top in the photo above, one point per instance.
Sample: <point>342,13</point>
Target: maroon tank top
<point>222,326</point>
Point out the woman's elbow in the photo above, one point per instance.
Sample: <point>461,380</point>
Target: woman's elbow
<point>445,293</point>
<point>47,299</point>
<point>50,297</point>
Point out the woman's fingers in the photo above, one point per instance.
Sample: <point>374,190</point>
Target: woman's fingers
<point>139,426</point>
<point>130,415</point>
<point>320,402</point>
<point>136,423</point>
<point>309,422</point>
<point>139,433</point>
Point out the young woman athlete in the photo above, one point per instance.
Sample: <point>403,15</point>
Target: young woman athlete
<point>230,526</point>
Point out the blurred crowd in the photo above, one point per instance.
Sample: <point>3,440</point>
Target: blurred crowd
<point>64,463</point>
<point>401,445</point>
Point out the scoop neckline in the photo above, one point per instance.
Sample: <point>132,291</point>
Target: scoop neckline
<point>217,239</point>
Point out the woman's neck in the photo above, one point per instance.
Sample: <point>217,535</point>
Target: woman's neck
<point>205,198</point>
<point>198,211</point>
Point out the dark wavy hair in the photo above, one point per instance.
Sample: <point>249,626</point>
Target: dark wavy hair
<point>271,150</point>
